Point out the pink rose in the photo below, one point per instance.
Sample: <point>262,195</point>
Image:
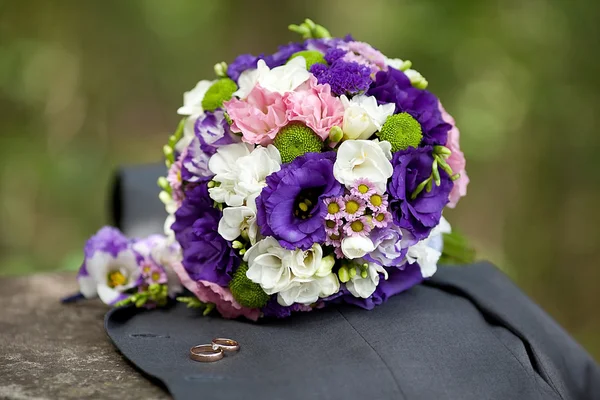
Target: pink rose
<point>209,292</point>
<point>259,117</point>
<point>456,161</point>
<point>364,53</point>
<point>315,106</point>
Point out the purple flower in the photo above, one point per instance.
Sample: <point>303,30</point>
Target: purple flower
<point>421,215</point>
<point>242,63</point>
<point>393,86</point>
<point>211,131</point>
<point>389,250</point>
<point>325,44</point>
<point>206,255</point>
<point>275,310</point>
<point>291,207</point>
<point>398,281</point>
<point>343,77</point>
<point>334,54</point>
<point>283,54</point>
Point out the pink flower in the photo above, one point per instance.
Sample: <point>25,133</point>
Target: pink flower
<point>456,161</point>
<point>174,178</point>
<point>209,292</point>
<point>259,117</point>
<point>364,53</point>
<point>315,106</point>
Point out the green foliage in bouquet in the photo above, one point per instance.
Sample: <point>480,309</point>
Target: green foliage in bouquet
<point>457,249</point>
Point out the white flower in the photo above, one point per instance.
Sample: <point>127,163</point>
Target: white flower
<point>167,253</point>
<point>109,276</point>
<point>269,265</point>
<point>188,130</point>
<point>363,116</point>
<point>363,159</point>
<point>356,246</point>
<point>305,264</point>
<point>238,220</point>
<point>241,171</point>
<point>416,79</point>
<point>309,292</point>
<point>397,63</point>
<point>169,221</point>
<point>192,100</point>
<point>285,78</point>
<point>364,287</point>
<point>428,251</point>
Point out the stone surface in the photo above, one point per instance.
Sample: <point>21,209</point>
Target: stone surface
<point>49,350</point>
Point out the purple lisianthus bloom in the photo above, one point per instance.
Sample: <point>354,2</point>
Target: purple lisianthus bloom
<point>389,250</point>
<point>206,255</point>
<point>398,281</point>
<point>283,54</point>
<point>211,131</point>
<point>344,77</point>
<point>307,180</point>
<point>275,310</point>
<point>421,215</point>
<point>242,63</point>
<point>393,86</point>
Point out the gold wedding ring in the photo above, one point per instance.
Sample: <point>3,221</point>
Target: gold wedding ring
<point>206,353</point>
<point>228,345</point>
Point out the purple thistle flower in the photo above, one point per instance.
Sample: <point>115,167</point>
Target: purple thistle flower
<point>393,86</point>
<point>291,207</point>
<point>358,227</point>
<point>420,215</point>
<point>354,207</point>
<point>344,77</point>
<point>242,63</point>
<point>206,255</point>
<point>283,54</point>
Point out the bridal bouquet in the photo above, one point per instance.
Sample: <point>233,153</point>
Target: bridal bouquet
<point>314,175</point>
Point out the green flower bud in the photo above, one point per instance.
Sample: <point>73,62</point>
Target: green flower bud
<point>402,131</point>
<point>335,134</point>
<point>246,292</point>
<point>220,91</point>
<point>344,274</point>
<point>311,56</point>
<point>221,69</point>
<point>296,139</point>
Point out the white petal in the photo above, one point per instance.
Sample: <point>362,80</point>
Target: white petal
<point>87,286</point>
<point>357,246</point>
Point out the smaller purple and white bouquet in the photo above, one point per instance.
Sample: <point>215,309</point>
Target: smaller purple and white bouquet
<point>311,176</point>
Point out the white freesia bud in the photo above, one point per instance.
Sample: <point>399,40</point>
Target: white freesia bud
<point>356,246</point>
<point>363,116</point>
<point>364,287</point>
<point>362,159</point>
<point>326,266</point>
<point>416,79</point>
<point>221,69</point>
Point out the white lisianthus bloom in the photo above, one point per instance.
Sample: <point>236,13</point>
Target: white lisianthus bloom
<point>363,159</point>
<point>428,251</point>
<point>269,265</point>
<point>282,79</point>
<point>110,276</point>
<point>356,246</point>
<point>309,292</point>
<point>241,170</point>
<point>363,116</point>
<point>364,287</point>
<point>192,100</point>
<point>239,220</point>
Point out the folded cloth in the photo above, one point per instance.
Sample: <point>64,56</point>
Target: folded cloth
<point>467,333</point>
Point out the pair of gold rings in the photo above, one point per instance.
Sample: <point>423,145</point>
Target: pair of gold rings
<point>214,351</point>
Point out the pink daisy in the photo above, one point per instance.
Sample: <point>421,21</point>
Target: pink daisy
<point>332,226</point>
<point>381,219</point>
<point>335,208</point>
<point>358,227</point>
<point>354,207</point>
<point>378,202</point>
<point>363,188</point>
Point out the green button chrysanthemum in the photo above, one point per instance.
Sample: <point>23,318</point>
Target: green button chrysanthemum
<point>311,57</point>
<point>402,131</point>
<point>220,91</point>
<point>246,292</point>
<point>296,139</point>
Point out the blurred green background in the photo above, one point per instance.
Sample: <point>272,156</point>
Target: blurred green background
<point>89,85</point>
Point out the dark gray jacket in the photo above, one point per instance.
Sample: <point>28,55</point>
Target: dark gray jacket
<point>467,333</point>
